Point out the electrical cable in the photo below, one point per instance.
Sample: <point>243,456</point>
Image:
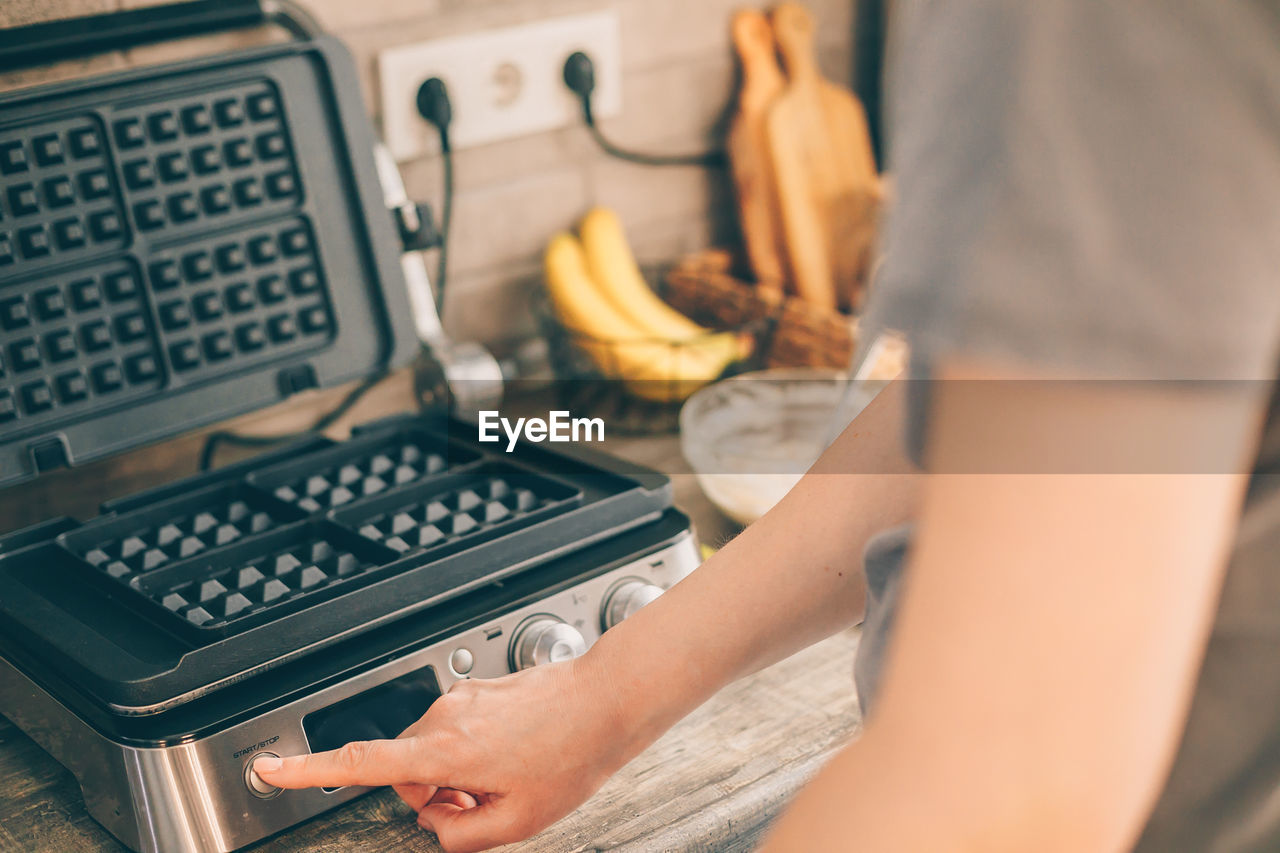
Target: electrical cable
<point>321,423</point>
<point>446,218</point>
<point>433,105</point>
<point>580,77</point>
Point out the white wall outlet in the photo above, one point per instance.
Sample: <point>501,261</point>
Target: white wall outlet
<point>502,83</point>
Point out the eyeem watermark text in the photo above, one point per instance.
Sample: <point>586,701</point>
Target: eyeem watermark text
<point>559,426</point>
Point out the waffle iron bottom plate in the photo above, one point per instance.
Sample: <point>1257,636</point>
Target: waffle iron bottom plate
<point>175,593</point>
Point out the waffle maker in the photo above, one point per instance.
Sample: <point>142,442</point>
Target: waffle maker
<point>183,243</point>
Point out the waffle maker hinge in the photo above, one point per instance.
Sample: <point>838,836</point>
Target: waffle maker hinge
<point>462,375</point>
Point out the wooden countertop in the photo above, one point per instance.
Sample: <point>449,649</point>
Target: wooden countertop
<point>710,784</point>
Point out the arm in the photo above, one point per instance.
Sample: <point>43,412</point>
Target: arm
<point>529,748</point>
<point>789,580</point>
<point>1052,627</point>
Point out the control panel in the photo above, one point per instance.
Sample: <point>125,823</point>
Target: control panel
<point>383,701</point>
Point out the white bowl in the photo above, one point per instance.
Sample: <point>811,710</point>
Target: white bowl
<point>749,439</point>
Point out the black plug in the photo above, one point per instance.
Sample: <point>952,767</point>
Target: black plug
<point>433,104</point>
<point>580,76</point>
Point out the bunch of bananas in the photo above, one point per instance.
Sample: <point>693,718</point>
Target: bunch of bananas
<point>624,327</point>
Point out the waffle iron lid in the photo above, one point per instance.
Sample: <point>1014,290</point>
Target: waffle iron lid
<point>186,242</point>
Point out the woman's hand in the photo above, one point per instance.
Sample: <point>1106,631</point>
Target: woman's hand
<point>493,761</point>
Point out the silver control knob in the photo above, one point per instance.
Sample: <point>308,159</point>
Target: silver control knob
<point>545,639</point>
<point>626,598</point>
<point>258,786</point>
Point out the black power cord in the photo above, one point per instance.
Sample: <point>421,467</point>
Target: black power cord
<point>321,423</point>
<point>580,77</point>
<point>434,106</point>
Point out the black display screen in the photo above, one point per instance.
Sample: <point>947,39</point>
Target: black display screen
<point>379,713</point>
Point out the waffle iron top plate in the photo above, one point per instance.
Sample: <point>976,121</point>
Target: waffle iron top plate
<point>183,243</point>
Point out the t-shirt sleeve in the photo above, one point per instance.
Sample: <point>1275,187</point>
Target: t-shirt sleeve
<point>1086,188</point>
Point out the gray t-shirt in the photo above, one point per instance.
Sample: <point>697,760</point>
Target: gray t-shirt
<point>1093,188</point>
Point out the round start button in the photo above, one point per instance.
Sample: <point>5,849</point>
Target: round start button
<point>257,786</point>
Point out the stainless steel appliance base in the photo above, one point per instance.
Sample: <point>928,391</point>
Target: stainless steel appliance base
<point>198,797</point>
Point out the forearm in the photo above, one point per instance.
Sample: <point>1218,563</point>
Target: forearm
<point>790,579</point>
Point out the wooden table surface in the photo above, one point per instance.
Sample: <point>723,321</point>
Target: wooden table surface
<point>711,784</point>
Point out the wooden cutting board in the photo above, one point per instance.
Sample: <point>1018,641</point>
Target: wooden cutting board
<point>800,153</point>
<point>825,170</point>
<point>748,143</point>
<point>855,202</point>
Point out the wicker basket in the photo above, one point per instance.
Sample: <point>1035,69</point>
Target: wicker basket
<point>797,333</point>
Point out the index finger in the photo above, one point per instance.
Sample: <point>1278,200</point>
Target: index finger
<point>367,762</point>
